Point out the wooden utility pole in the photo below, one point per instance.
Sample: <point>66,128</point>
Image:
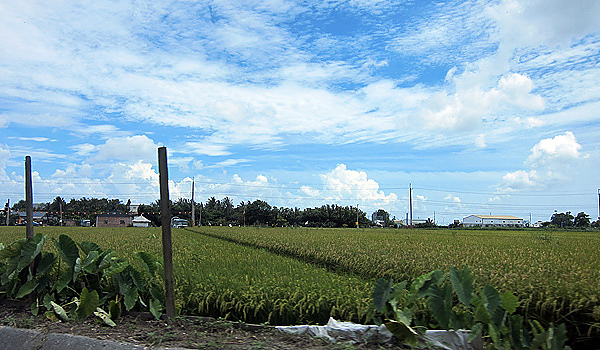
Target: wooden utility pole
<point>7,211</point>
<point>165,214</point>
<point>357,215</point>
<point>28,198</point>
<point>193,208</point>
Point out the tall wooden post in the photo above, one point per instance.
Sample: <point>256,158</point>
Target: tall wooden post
<point>7,211</point>
<point>28,198</point>
<point>193,208</point>
<point>165,213</point>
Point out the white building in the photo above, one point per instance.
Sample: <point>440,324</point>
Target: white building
<point>492,221</point>
<point>141,221</point>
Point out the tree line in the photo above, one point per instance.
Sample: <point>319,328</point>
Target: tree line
<point>224,212</point>
<point>251,213</point>
<point>212,212</point>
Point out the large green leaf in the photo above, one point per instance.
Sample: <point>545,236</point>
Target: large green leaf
<point>509,302</point>
<point>137,279</point>
<point>105,317</point>
<point>45,263</point>
<point>30,250</point>
<point>90,263</point>
<point>76,269</point>
<point>64,278</point>
<point>105,259</point>
<point>482,314</point>
<point>117,265</point>
<point>440,302</point>
<point>67,249</point>
<point>87,247</point>
<point>35,307</point>
<point>27,288</point>
<point>47,299</point>
<point>157,292</point>
<point>404,316</point>
<point>149,262</point>
<point>62,314</point>
<point>131,296</point>
<point>403,332</point>
<point>88,302</point>
<point>156,308</point>
<point>11,270</point>
<point>13,250</point>
<point>381,292</point>
<point>114,309</point>
<point>516,334</point>
<point>490,298</point>
<point>421,284</point>
<point>462,281</point>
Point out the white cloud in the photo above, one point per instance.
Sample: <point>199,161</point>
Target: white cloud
<point>4,156</point>
<point>470,103</point>
<point>132,149</point>
<point>36,139</point>
<point>480,141</point>
<point>228,163</point>
<point>545,22</point>
<point>344,184</point>
<point>141,171</point>
<point>558,151</point>
<point>83,149</point>
<point>550,161</point>
<point>454,199</point>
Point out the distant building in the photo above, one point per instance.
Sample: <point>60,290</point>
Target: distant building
<point>492,221</point>
<point>141,221</point>
<point>398,222</point>
<point>39,217</point>
<point>538,224</point>
<point>113,220</point>
<point>178,222</point>
<point>133,208</point>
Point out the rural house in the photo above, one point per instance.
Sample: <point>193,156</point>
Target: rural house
<point>492,221</point>
<point>113,220</point>
<point>141,221</point>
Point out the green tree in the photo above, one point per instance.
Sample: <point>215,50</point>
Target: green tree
<point>582,220</point>
<point>562,220</point>
<point>258,212</point>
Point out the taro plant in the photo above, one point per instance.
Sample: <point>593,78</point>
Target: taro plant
<point>82,280</point>
<point>455,304</point>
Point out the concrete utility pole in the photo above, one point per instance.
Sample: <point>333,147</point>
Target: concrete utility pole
<point>410,205</point>
<point>28,198</point>
<point>356,215</point>
<point>165,213</point>
<point>193,208</point>
<point>599,204</point>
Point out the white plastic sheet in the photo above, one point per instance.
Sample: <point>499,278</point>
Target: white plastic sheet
<point>347,331</point>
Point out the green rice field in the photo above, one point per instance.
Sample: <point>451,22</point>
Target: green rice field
<point>301,275</point>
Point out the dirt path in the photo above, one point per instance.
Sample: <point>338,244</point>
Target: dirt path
<point>187,332</point>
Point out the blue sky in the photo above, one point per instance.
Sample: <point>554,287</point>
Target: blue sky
<point>485,107</point>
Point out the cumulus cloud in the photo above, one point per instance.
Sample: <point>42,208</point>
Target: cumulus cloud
<point>550,160</point>
<point>133,148</point>
<point>560,150</point>
<point>342,183</point>
<point>465,108</point>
